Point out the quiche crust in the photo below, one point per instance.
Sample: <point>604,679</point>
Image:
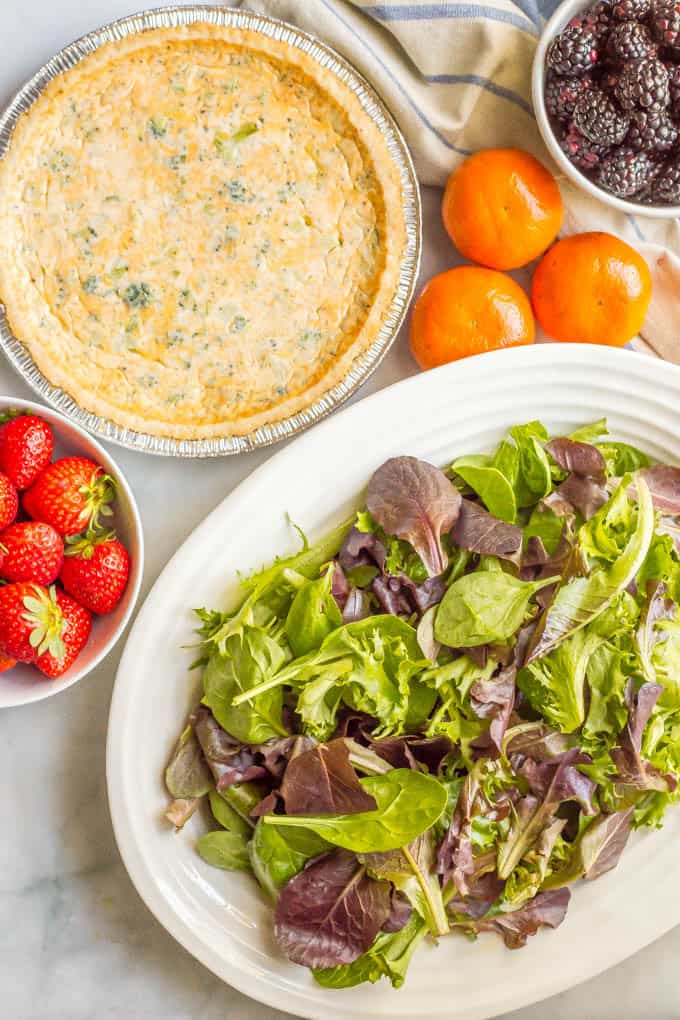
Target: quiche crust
<point>201,230</point>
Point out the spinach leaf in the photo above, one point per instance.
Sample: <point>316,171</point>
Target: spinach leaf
<point>251,657</point>
<point>187,775</point>
<point>408,802</point>
<point>546,525</point>
<point>228,850</point>
<point>278,854</point>
<point>484,607</point>
<point>534,479</point>
<point>412,870</point>
<point>555,684</point>
<point>389,957</point>
<point>227,816</point>
<point>492,486</point>
<point>583,599</point>
<point>313,615</point>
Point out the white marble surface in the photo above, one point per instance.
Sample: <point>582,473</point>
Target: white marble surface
<point>76,942</point>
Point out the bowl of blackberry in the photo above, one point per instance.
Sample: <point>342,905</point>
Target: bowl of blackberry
<point>606,91</point>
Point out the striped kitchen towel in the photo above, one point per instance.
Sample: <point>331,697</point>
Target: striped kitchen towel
<point>457,77</point>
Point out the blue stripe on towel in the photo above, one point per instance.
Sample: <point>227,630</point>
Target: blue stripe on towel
<point>636,227</point>
<point>416,109</point>
<point>482,83</point>
<point>432,12</point>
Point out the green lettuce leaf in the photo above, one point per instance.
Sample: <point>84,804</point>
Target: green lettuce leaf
<point>388,957</point>
<point>555,684</point>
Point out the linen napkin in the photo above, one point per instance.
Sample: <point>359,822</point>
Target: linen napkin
<point>457,77</point>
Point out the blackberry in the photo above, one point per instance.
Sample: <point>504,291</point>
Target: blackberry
<point>625,172</point>
<point>651,131</point>
<point>561,94</point>
<point>665,23</point>
<point>580,150</point>
<point>598,117</point>
<point>643,85</point>
<point>629,41</point>
<point>666,186</point>
<point>608,80</point>
<point>630,10</point>
<point>573,51</point>
<point>597,18</point>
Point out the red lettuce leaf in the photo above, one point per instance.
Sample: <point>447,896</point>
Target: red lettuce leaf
<point>416,502</point>
<point>664,487</point>
<point>480,532</point>
<point>583,494</point>
<point>321,781</point>
<point>454,856</point>
<point>578,458</point>
<point>414,752</point>
<point>547,909</point>
<point>331,911</point>
<point>361,549</point>
<point>494,699</point>
<point>401,596</point>
<point>632,769</point>
<point>560,781</point>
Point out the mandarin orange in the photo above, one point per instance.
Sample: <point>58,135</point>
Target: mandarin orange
<point>467,311</point>
<point>593,288</point>
<point>502,208</point>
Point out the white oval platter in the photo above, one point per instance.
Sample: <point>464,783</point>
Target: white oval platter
<point>220,917</point>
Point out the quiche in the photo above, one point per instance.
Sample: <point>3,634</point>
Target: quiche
<point>201,229</point>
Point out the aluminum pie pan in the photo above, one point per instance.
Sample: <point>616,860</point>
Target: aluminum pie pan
<point>364,364</point>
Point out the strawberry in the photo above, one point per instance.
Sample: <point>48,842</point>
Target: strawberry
<point>9,502</point>
<point>95,571</point>
<point>6,663</point>
<point>75,630</point>
<point>70,494</point>
<point>30,621</point>
<point>31,551</point>
<point>26,446</point>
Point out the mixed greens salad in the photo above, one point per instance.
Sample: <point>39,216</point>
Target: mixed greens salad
<point>452,708</point>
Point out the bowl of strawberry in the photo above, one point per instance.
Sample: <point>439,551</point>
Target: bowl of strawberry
<point>606,92</point>
<point>71,553</point>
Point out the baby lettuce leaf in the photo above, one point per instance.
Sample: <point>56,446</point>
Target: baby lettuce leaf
<point>228,817</point>
<point>389,957</point>
<point>373,664</point>
<point>548,909</point>
<point>228,850</point>
<point>492,485</point>
<point>330,913</point>
<point>411,869</point>
<point>321,781</point>
<point>479,531</point>
<point>589,433</point>
<point>545,525</point>
<point>416,502</point>
<point>530,874</point>
<point>632,769</point>
<point>187,775</point>
<point>554,686</point>
<point>485,607</point>
<point>596,850</point>
<point>622,458</point>
<point>534,478</point>
<point>582,599</point>
<point>533,813</point>
<point>606,680</point>
<point>250,658</point>
<point>313,614</point>
<point>408,802</point>
<point>276,855</point>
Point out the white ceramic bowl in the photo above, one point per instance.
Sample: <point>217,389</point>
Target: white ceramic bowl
<point>564,13</point>
<point>24,684</point>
